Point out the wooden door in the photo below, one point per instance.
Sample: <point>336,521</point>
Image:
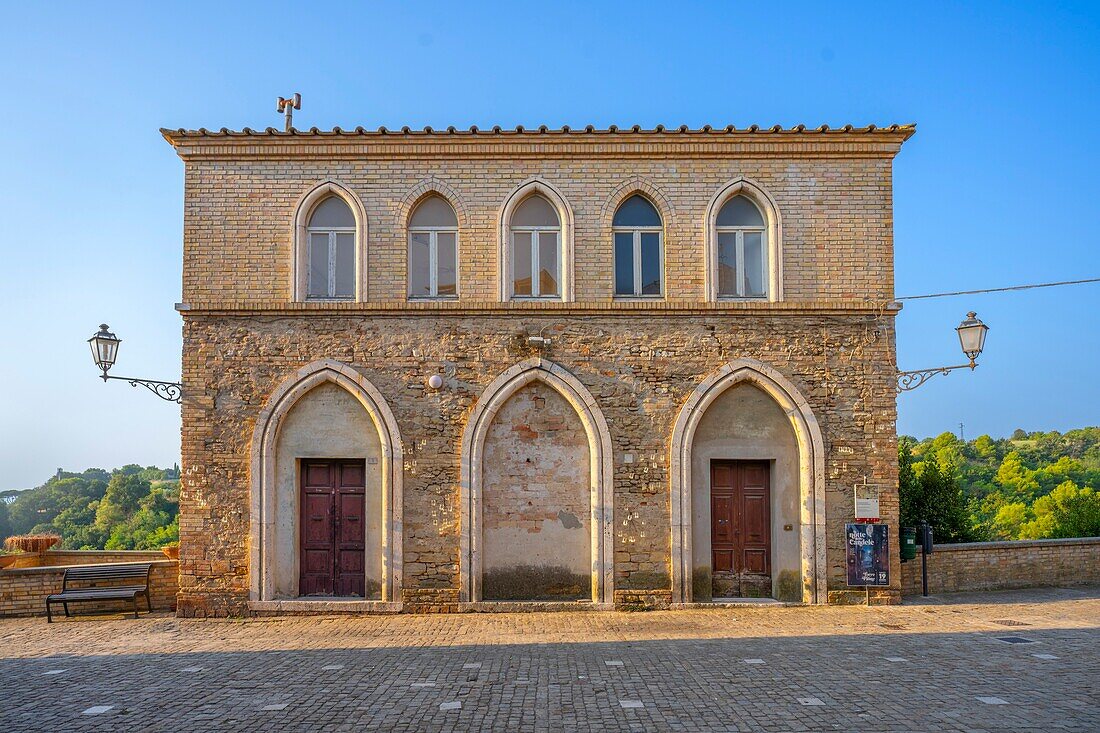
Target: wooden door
<point>740,538</point>
<point>333,544</point>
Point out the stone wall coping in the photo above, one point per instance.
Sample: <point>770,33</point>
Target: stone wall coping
<point>432,308</point>
<point>1015,544</point>
<point>45,569</point>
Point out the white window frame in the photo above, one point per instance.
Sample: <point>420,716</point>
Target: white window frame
<point>331,232</point>
<point>433,262</point>
<point>637,232</point>
<point>773,228</point>
<point>536,244</point>
<point>300,231</point>
<point>739,263</point>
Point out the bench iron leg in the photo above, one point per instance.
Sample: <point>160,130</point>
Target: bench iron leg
<point>66,606</point>
<point>148,602</point>
<point>135,607</point>
<point>49,616</point>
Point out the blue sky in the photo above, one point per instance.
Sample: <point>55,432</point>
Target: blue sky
<point>995,189</point>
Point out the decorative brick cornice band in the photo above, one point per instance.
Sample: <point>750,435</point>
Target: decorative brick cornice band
<point>840,143</point>
<point>645,309</point>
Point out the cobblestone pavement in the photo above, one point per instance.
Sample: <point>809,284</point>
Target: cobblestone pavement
<point>947,664</point>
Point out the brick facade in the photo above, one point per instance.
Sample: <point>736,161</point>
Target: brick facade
<point>977,566</point>
<point>830,335</point>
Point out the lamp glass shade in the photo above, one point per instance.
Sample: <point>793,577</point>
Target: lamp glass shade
<point>104,348</point>
<point>972,335</point>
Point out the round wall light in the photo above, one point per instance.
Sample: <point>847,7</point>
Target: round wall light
<point>435,381</point>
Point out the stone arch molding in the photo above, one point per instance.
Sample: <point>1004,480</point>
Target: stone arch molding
<point>811,463</point>
<point>300,238</point>
<point>565,215</point>
<point>264,438</point>
<point>745,187</point>
<point>421,191</point>
<point>600,454</point>
<point>640,186</point>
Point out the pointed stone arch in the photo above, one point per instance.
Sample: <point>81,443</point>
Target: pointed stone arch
<point>565,216</point>
<point>647,190</point>
<point>422,190</point>
<point>811,462</point>
<point>600,456</point>
<point>303,209</point>
<point>263,473</point>
<point>752,190</point>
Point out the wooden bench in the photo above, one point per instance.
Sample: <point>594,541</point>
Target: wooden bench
<point>103,583</point>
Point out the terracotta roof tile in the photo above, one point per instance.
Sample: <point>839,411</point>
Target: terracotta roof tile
<point>907,130</point>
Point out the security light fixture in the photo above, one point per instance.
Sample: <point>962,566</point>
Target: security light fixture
<point>972,340</point>
<point>104,346</point>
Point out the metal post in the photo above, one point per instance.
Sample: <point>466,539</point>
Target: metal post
<point>924,558</point>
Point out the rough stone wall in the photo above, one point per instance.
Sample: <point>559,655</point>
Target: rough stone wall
<point>834,199</point>
<point>536,501</point>
<point>989,565</point>
<point>639,368</point>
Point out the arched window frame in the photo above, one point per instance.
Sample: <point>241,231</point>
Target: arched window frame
<point>302,213</point>
<point>637,232</point>
<point>773,227</point>
<point>433,266</point>
<point>565,239</point>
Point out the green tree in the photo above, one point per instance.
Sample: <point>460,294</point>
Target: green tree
<point>933,495</point>
<point>1067,511</point>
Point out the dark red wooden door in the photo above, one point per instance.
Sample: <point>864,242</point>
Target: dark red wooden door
<point>332,528</point>
<point>740,518</point>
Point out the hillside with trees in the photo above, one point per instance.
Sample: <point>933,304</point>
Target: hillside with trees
<point>1027,486</point>
<point>129,508</point>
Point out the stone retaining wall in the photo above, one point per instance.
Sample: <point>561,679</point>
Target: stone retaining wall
<point>23,591</point>
<point>991,565</point>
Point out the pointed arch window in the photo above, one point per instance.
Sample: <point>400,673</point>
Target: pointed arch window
<point>639,249</point>
<point>331,258</point>
<point>536,262</point>
<point>742,257</point>
<point>433,250</point>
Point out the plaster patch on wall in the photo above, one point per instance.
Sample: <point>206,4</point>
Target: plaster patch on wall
<point>536,500</point>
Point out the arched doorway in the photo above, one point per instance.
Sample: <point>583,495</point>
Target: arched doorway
<point>536,510</point>
<point>326,451</point>
<point>747,490</point>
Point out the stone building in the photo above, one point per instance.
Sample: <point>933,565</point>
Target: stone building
<point>444,370</point>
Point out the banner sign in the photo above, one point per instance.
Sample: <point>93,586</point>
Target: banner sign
<point>868,554</point>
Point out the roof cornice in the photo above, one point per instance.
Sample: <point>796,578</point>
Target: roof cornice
<point>754,141</point>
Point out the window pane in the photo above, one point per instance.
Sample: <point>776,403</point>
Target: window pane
<point>727,263</point>
<point>535,211</point>
<point>636,211</point>
<point>445,258</point>
<point>548,263</point>
<point>651,263</point>
<point>318,265</point>
<point>754,265</point>
<point>740,212</point>
<point>624,263</point>
<point>419,263</point>
<point>434,211</point>
<point>521,263</point>
<point>345,265</point>
<point>332,212</point>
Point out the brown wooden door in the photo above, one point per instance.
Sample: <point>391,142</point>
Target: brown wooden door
<point>333,544</point>
<point>740,538</point>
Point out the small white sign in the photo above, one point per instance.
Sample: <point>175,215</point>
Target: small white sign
<point>866,501</point>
